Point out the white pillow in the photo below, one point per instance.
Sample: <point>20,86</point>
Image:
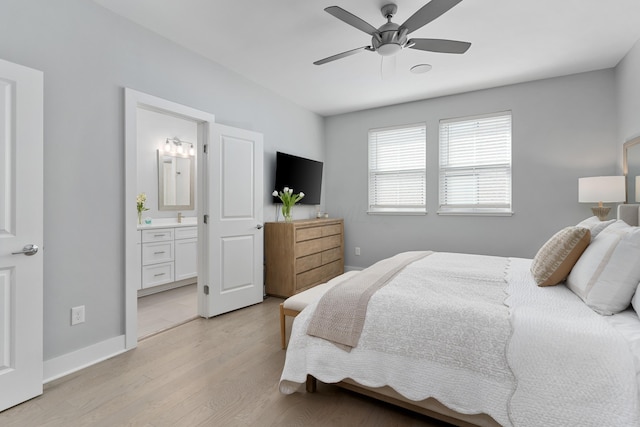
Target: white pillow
<point>595,225</point>
<point>635,301</point>
<point>608,272</point>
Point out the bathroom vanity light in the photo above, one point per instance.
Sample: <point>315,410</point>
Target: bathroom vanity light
<point>175,144</point>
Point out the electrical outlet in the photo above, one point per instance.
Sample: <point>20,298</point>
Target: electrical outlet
<point>357,251</point>
<point>77,315</point>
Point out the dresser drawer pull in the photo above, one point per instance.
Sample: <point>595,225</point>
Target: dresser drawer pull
<point>159,274</point>
<point>158,253</point>
<point>159,235</point>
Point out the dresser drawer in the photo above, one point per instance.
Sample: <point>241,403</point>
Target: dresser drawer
<point>318,245</point>
<point>158,274</point>
<point>330,255</point>
<point>318,275</point>
<point>157,235</point>
<point>186,233</point>
<point>309,247</point>
<point>330,230</point>
<point>154,253</point>
<point>303,234</point>
<point>331,242</point>
<point>308,262</point>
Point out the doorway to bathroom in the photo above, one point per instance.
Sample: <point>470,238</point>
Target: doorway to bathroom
<point>167,149</point>
<point>228,228</point>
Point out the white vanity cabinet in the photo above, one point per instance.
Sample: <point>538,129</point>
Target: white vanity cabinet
<point>168,255</point>
<point>186,253</point>
<point>157,257</point>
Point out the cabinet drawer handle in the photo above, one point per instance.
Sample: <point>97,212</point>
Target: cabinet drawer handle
<point>159,274</point>
<point>158,253</point>
<point>158,235</point>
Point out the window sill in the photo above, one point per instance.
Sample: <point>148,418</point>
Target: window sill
<point>472,213</point>
<point>396,213</point>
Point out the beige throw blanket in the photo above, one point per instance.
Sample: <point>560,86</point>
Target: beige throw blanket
<point>342,309</point>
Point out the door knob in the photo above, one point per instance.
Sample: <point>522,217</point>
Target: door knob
<point>259,226</point>
<point>27,250</point>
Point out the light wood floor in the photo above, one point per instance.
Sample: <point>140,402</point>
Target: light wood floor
<point>217,372</point>
<point>164,310</point>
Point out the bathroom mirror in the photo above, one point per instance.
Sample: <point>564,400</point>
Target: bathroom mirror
<point>631,168</point>
<point>175,181</point>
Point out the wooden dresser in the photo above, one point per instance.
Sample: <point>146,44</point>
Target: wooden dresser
<point>302,254</point>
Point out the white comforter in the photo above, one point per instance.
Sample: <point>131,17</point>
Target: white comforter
<point>572,366</point>
<point>541,358</point>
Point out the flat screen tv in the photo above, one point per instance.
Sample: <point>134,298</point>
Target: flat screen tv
<point>300,174</point>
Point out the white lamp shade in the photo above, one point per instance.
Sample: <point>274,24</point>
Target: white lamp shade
<point>606,189</point>
<point>637,188</point>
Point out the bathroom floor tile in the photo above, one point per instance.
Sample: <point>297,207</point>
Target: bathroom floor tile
<point>164,310</point>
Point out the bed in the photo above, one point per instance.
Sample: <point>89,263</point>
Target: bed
<point>488,341</point>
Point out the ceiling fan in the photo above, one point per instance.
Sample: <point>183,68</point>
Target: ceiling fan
<point>391,38</point>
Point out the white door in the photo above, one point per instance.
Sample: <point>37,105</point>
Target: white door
<point>233,268</point>
<point>21,225</point>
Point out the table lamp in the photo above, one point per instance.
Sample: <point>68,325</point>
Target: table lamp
<point>601,189</point>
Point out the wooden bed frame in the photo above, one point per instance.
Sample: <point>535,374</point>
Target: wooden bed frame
<point>429,407</point>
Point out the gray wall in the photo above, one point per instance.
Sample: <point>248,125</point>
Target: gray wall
<point>628,94</point>
<point>88,56</point>
<point>563,129</point>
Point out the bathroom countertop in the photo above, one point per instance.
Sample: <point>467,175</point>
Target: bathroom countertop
<point>191,221</point>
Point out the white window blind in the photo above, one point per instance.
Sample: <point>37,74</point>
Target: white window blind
<point>475,165</point>
<point>397,169</point>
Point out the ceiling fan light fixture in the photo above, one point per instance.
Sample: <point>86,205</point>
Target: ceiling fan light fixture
<point>389,49</point>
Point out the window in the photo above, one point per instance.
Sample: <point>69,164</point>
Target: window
<point>475,165</point>
<point>397,169</point>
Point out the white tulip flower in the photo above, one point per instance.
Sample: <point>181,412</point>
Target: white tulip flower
<point>275,193</point>
<point>301,194</point>
<point>291,191</point>
<point>286,190</point>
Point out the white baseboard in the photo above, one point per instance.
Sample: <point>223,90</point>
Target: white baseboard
<point>71,362</point>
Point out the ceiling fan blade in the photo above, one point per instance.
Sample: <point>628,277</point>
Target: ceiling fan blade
<point>439,45</point>
<point>342,55</point>
<point>428,13</point>
<point>351,19</point>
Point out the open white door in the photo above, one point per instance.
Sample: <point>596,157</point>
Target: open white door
<point>21,230</point>
<point>232,264</point>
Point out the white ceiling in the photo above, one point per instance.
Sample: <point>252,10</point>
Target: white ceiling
<point>275,42</point>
